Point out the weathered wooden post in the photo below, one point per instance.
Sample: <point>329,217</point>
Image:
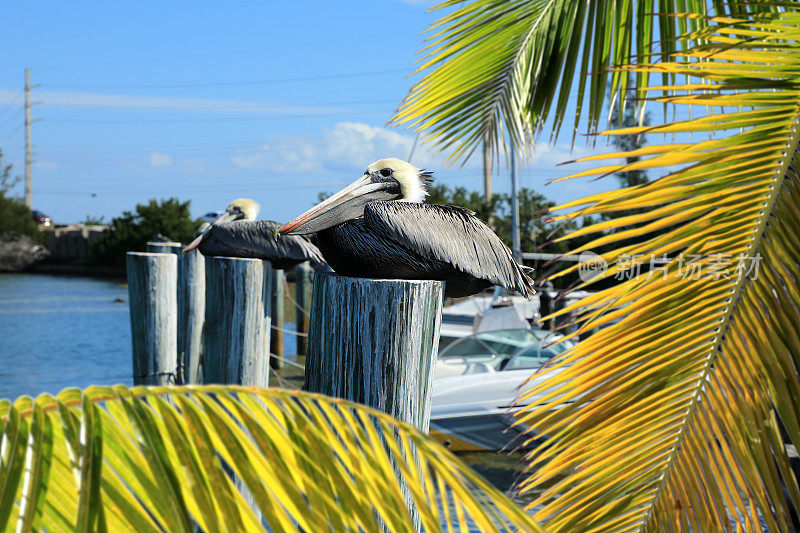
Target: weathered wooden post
<point>302,287</point>
<point>375,342</point>
<point>191,314</point>
<point>164,247</point>
<point>276,338</point>
<point>152,295</point>
<point>237,321</point>
<point>191,307</point>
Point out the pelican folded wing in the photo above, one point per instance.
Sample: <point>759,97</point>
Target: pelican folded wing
<point>451,235</point>
<point>256,239</point>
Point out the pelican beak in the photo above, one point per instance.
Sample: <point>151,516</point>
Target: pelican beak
<point>345,205</point>
<point>227,216</point>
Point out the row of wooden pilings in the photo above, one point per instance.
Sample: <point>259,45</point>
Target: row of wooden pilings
<point>158,359</point>
<point>198,319</point>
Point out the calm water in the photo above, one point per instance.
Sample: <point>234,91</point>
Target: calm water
<point>58,332</point>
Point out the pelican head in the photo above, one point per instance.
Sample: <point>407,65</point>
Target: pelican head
<point>239,209</point>
<point>384,180</point>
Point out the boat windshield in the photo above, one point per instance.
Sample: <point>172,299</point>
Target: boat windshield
<point>552,340</point>
<point>537,355</point>
<point>530,358</point>
<point>492,343</point>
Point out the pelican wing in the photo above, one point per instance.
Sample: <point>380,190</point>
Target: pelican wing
<point>451,235</point>
<point>256,239</point>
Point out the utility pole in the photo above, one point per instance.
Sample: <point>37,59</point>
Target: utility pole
<point>487,170</point>
<point>515,244</point>
<point>413,147</point>
<point>28,156</point>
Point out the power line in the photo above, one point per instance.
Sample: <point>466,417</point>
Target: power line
<point>13,103</point>
<point>150,146</point>
<point>12,117</point>
<point>213,119</point>
<point>12,132</point>
<point>243,107</point>
<point>236,83</point>
<point>151,190</point>
<point>243,144</point>
<point>16,155</point>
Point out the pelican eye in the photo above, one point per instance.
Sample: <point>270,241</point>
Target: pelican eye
<point>386,172</point>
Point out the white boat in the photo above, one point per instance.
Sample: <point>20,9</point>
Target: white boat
<point>495,311</point>
<point>477,380</point>
<point>465,317</point>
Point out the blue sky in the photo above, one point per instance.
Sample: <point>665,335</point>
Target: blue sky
<point>215,101</point>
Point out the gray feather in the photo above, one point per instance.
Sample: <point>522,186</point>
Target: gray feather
<point>256,239</point>
<point>451,235</point>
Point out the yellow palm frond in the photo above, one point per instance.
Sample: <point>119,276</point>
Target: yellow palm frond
<point>159,459</point>
<point>673,416</point>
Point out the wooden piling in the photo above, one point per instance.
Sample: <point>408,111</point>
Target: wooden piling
<point>191,314</point>
<point>302,284</point>
<point>237,321</point>
<point>152,295</point>
<point>164,247</point>
<point>191,307</point>
<point>276,335</point>
<point>375,342</point>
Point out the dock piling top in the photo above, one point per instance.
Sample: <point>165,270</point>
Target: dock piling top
<point>164,247</point>
<point>375,342</point>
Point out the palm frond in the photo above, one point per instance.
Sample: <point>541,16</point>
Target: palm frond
<point>496,68</point>
<point>681,403</point>
<point>160,459</point>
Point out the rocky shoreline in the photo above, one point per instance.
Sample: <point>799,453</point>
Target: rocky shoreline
<point>20,253</point>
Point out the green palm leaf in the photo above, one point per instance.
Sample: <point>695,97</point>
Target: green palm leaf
<point>158,459</point>
<point>499,68</point>
<point>679,404</point>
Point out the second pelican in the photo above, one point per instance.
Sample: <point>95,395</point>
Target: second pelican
<point>237,233</point>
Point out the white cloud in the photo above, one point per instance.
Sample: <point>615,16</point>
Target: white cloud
<point>551,155</point>
<point>46,164</point>
<point>348,147</point>
<point>125,101</point>
<point>157,159</point>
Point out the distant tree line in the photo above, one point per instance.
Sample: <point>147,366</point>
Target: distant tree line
<point>15,216</point>
<point>131,231</point>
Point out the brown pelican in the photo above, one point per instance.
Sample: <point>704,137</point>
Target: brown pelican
<point>236,233</point>
<point>377,227</point>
